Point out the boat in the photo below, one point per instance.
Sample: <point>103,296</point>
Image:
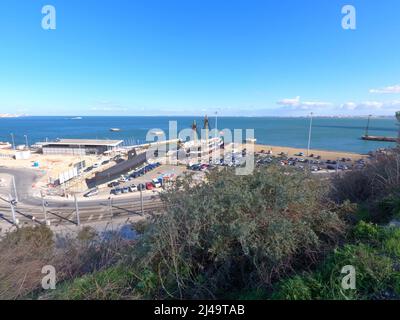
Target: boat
<point>5,145</point>
<point>76,118</point>
<point>251,140</point>
<point>157,132</point>
<point>115,129</point>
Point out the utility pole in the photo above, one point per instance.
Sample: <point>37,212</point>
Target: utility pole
<point>78,220</point>
<point>13,211</point>
<point>141,201</point>
<point>216,123</point>
<point>12,140</point>
<point>44,209</point>
<point>15,189</point>
<point>309,134</point>
<point>367,128</point>
<point>26,141</point>
<point>110,204</point>
<point>398,120</point>
<point>65,189</point>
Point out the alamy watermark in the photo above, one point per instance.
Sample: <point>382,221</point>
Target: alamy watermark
<point>49,280</point>
<point>229,147</point>
<point>349,20</point>
<point>49,21</point>
<point>349,280</point>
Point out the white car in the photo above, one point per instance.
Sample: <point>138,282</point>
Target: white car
<point>123,179</point>
<point>132,188</point>
<point>156,183</point>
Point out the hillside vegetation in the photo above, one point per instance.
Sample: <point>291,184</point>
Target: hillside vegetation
<point>276,234</point>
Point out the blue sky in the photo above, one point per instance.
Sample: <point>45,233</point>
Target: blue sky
<point>190,57</point>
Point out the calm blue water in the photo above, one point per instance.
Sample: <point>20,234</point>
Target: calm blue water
<point>328,134</point>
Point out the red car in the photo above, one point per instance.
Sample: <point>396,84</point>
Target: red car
<point>149,186</point>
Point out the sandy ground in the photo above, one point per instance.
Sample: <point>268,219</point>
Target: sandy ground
<point>51,165</point>
<point>326,155</point>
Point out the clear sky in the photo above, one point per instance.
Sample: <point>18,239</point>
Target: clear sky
<point>190,57</point>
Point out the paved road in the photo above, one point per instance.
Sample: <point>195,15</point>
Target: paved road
<point>25,178</point>
<point>29,206</point>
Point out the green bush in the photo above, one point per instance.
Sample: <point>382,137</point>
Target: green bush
<point>234,233</point>
<point>109,284</point>
<point>293,288</point>
<point>365,231</point>
<point>391,242</point>
<point>376,187</point>
<point>374,277</point>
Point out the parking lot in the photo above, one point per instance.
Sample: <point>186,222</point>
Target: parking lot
<point>313,162</point>
<point>149,178</point>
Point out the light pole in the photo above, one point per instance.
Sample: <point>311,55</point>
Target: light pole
<point>141,201</point>
<point>309,134</point>
<point>216,136</point>
<point>12,140</point>
<point>216,122</point>
<point>44,209</point>
<point>26,141</point>
<point>15,220</point>
<point>110,204</point>
<point>367,128</point>
<point>398,120</point>
<point>78,219</point>
<point>15,188</point>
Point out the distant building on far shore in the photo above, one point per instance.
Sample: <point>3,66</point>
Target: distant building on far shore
<point>79,147</point>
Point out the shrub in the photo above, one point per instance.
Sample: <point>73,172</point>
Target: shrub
<point>293,288</point>
<point>365,231</point>
<point>375,278</point>
<point>109,284</point>
<point>391,242</point>
<point>373,271</point>
<point>234,232</point>
<point>23,253</point>
<point>376,187</point>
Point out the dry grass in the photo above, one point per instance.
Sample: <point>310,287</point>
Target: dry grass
<point>26,251</point>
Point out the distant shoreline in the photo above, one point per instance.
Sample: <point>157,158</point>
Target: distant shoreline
<point>7,116</point>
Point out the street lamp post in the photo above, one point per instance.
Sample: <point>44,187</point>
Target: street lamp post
<point>309,134</point>
<point>12,140</point>
<point>26,141</point>
<point>398,120</point>
<point>367,128</point>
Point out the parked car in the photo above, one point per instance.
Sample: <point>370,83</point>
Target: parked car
<point>91,193</point>
<point>122,179</point>
<point>125,189</point>
<point>141,186</point>
<point>132,188</point>
<point>116,191</point>
<point>113,184</point>
<point>149,186</point>
<point>156,183</point>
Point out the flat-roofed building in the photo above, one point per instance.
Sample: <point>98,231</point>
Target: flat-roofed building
<point>80,147</point>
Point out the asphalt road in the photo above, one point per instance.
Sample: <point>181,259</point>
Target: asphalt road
<point>64,210</point>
